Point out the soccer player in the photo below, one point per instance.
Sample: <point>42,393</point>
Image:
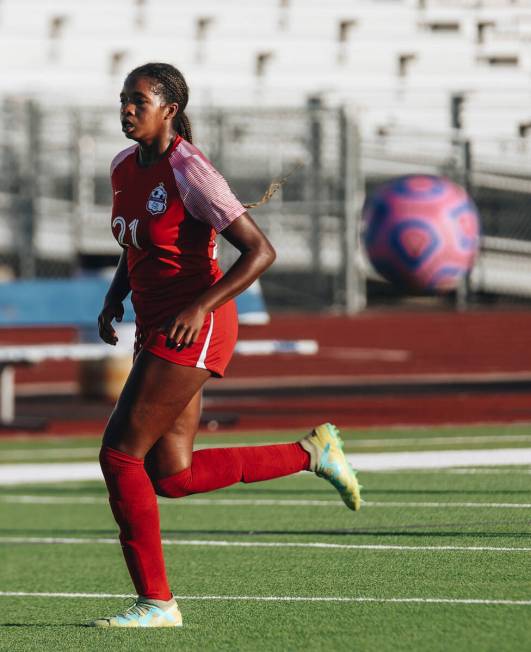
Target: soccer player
<point>168,205</point>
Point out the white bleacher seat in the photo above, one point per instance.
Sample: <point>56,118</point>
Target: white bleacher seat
<point>306,55</point>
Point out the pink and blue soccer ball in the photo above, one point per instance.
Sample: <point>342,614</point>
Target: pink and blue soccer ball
<point>421,232</point>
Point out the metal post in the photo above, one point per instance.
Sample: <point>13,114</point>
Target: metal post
<point>220,126</point>
<point>84,176</point>
<point>217,122</point>
<point>354,191</point>
<point>315,184</point>
<point>463,161</point>
<point>30,192</point>
<point>7,394</point>
<point>460,169</point>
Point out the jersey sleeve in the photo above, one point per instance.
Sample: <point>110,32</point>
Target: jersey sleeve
<point>204,192</point>
<point>118,159</point>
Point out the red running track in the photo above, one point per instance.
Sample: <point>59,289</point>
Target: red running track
<point>389,343</point>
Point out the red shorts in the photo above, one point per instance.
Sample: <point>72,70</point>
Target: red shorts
<point>212,350</point>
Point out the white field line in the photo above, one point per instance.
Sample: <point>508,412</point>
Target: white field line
<point>12,474</point>
<point>446,505</point>
<point>432,441</point>
<point>439,459</point>
<point>264,544</point>
<point>250,502</point>
<point>73,453</point>
<point>13,455</point>
<point>277,598</point>
<point>507,471</point>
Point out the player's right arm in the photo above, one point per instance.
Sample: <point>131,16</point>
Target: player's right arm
<point>113,307</point>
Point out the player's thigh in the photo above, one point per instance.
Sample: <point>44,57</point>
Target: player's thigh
<point>154,396</point>
<point>173,451</point>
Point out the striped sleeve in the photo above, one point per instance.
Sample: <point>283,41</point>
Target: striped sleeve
<point>204,192</point>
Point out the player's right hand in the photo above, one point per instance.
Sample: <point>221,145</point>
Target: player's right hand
<point>111,310</point>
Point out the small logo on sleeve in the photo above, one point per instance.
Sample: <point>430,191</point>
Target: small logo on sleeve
<point>158,200</point>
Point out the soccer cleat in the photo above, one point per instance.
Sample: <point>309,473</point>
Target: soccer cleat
<point>328,461</point>
<point>145,613</point>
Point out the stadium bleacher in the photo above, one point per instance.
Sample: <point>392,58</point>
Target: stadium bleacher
<point>395,63</point>
<point>289,49</point>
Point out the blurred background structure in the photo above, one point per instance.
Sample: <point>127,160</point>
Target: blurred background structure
<point>354,91</point>
<point>348,93</point>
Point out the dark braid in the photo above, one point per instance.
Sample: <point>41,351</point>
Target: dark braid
<point>273,187</point>
<point>172,87</point>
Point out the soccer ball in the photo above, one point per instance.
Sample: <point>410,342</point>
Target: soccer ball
<point>421,232</point>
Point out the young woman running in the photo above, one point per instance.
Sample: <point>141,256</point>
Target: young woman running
<point>168,205</point>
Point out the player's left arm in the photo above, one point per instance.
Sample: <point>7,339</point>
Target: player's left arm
<point>256,255</point>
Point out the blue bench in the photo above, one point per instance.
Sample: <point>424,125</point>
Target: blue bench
<point>78,301</point>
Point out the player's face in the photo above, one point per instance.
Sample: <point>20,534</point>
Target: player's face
<point>143,113</point>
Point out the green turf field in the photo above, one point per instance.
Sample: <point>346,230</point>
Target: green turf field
<point>436,560</point>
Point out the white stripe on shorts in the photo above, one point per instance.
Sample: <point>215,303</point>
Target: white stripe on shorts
<point>202,357</point>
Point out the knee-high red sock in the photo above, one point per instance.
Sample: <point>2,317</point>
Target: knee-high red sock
<point>215,468</point>
<point>134,505</point>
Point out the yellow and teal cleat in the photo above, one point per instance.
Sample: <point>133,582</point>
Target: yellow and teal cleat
<point>328,461</point>
<point>145,613</point>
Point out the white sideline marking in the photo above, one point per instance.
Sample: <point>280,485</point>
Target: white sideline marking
<point>11,474</point>
<point>425,441</point>
<point>237,502</point>
<point>264,544</point>
<point>72,453</point>
<point>276,598</point>
<point>439,459</point>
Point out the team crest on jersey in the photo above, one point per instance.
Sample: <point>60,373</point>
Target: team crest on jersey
<point>158,200</point>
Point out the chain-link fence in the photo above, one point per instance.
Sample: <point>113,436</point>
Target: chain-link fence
<point>55,195</point>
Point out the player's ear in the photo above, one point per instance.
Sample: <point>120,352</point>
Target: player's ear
<point>171,111</point>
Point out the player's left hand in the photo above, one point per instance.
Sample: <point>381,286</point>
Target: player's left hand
<point>183,329</point>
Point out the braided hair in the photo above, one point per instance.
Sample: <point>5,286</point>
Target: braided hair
<point>172,87</point>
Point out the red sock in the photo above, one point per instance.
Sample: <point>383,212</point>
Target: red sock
<point>215,468</point>
<point>134,505</point>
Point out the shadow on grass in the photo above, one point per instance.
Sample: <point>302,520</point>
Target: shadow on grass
<point>43,625</point>
<point>414,530</point>
<point>455,492</point>
<point>55,533</point>
<point>249,490</point>
<point>326,491</point>
<point>92,490</point>
<point>372,532</point>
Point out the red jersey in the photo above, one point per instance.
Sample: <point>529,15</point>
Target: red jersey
<point>167,216</point>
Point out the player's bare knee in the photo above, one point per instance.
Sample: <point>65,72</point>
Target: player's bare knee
<point>121,431</point>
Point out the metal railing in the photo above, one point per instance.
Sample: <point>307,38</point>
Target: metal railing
<point>55,194</point>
